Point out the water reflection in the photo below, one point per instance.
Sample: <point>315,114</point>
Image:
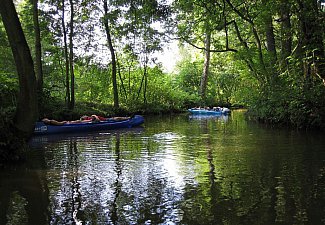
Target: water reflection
<point>222,118</point>
<point>24,195</point>
<point>176,170</point>
<point>117,184</point>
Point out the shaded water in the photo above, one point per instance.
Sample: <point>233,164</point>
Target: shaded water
<point>174,170</point>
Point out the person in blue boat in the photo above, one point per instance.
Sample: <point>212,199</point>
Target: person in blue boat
<point>92,118</point>
<point>95,118</point>
<point>216,108</point>
<point>83,119</point>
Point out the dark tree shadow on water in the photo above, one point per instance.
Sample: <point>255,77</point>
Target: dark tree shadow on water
<point>24,191</point>
<point>117,183</point>
<point>77,213</point>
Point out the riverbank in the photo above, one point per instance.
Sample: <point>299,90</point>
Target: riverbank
<point>12,147</point>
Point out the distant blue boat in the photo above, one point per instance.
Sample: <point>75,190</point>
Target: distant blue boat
<point>42,128</point>
<point>217,111</point>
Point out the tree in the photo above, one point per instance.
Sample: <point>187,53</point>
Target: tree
<point>135,36</point>
<point>311,38</point>
<point>207,53</point>
<point>66,57</point>
<point>208,19</point>
<point>285,32</point>
<point>27,107</point>
<point>246,13</point>
<point>71,56</point>
<point>38,48</point>
<point>112,51</point>
<point>270,37</point>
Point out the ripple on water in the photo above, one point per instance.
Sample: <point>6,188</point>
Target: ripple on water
<point>180,171</point>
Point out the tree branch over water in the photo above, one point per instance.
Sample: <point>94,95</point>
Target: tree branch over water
<point>211,50</point>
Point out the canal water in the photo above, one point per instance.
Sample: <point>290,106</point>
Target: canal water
<point>174,170</point>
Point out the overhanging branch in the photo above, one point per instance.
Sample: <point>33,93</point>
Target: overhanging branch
<point>211,50</point>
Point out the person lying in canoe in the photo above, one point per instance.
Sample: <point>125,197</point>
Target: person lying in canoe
<point>100,118</point>
<point>92,118</point>
<point>84,119</point>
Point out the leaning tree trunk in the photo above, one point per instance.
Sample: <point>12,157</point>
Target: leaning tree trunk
<point>204,78</point>
<point>145,74</point>
<point>38,49</point>
<point>111,48</point>
<point>38,57</point>
<point>270,39</point>
<point>286,34</point>
<point>27,108</point>
<point>71,56</point>
<point>66,56</point>
<point>270,47</point>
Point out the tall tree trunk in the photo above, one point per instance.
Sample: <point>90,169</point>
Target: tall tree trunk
<point>71,56</point>
<point>38,49</point>
<point>121,80</point>
<point>311,29</point>
<point>270,46</point>
<point>141,84</point>
<point>270,40</point>
<point>286,33</point>
<point>111,48</point>
<point>27,108</point>
<point>67,77</point>
<point>145,74</point>
<point>207,53</point>
<point>38,57</point>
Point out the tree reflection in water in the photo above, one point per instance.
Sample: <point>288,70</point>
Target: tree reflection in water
<point>117,184</point>
<point>178,171</point>
<point>75,185</point>
<point>24,195</point>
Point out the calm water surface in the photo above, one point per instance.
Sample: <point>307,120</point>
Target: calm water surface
<point>174,170</point>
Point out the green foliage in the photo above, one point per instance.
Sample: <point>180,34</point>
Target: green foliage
<point>8,75</point>
<point>8,90</point>
<point>12,147</point>
<point>94,85</point>
<point>7,64</point>
<point>277,91</point>
<point>188,77</point>
<point>299,107</point>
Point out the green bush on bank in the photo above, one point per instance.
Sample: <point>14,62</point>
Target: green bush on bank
<point>12,148</point>
<point>298,107</point>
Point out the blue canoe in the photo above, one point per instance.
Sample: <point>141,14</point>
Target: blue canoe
<point>42,128</point>
<point>222,111</point>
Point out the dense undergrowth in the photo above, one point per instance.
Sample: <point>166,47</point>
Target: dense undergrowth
<point>300,107</point>
<point>12,147</point>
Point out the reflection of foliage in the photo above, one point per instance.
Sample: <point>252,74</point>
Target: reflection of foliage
<point>247,183</point>
<point>16,211</point>
<point>202,171</point>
